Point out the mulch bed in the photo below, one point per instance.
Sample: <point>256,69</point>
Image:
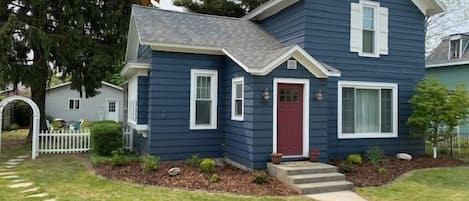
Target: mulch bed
<point>368,175</point>
<point>231,179</point>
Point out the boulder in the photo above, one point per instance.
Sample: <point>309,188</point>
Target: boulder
<point>404,156</point>
<point>174,171</point>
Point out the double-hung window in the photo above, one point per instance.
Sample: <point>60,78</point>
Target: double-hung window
<point>73,104</point>
<point>367,110</point>
<point>369,31</point>
<point>455,49</point>
<point>203,99</point>
<point>237,99</point>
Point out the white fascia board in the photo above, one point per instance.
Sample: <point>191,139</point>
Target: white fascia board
<point>171,47</point>
<point>132,68</point>
<point>429,7</point>
<point>447,64</point>
<point>268,9</point>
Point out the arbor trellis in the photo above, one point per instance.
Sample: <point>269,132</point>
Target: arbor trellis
<point>83,39</point>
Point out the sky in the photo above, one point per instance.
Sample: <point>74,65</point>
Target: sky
<point>168,5</point>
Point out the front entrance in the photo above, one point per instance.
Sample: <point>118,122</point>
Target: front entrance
<point>290,119</point>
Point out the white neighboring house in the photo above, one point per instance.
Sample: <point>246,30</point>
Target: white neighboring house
<point>65,103</point>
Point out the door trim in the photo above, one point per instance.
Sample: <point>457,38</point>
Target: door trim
<point>306,92</point>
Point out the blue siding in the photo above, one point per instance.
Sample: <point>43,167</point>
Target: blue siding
<point>287,26</point>
<point>169,102</point>
<point>328,39</point>
<point>142,116</point>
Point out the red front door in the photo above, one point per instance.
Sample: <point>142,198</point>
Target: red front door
<point>290,119</point>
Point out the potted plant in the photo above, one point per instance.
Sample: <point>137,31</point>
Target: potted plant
<point>314,155</point>
<point>276,158</point>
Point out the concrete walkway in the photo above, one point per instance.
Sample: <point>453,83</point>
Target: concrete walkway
<point>337,196</point>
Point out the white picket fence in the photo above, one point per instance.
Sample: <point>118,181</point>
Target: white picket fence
<point>70,142</point>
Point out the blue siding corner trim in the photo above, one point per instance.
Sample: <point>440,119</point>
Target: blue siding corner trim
<point>169,101</point>
<point>142,116</point>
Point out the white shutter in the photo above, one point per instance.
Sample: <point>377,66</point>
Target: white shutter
<point>383,31</point>
<point>355,28</point>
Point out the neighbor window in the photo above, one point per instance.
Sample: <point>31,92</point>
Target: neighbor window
<point>237,99</point>
<point>455,49</point>
<point>203,104</point>
<point>367,110</point>
<point>368,30</point>
<point>73,104</point>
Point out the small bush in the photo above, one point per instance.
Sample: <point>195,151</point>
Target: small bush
<point>13,126</point>
<point>150,162</point>
<point>375,155</point>
<point>194,160</point>
<point>207,165</point>
<point>214,178</point>
<point>382,170</point>
<point>355,159</point>
<point>118,158</point>
<point>106,137</point>
<point>260,177</point>
<point>346,167</point>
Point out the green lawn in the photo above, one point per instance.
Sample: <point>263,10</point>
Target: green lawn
<point>425,185</point>
<point>18,134</point>
<point>66,178</point>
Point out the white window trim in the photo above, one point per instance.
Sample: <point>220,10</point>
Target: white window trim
<point>213,95</point>
<point>74,99</point>
<point>368,85</point>
<point>460,48</point>
<point>306,101</point>
<point>375,6</point>
<point>235,81</point>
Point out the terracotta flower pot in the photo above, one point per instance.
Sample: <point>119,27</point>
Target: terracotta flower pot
<point>276,158</point>
<point>145,2</point>
<point>314,155</point>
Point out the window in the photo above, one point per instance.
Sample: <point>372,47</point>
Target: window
<point>237,99</point>
<point>455,49</point>
<point>367,110</point>
<point>111,106</point>
<point>203,103</point>
<point>368,30</point>
<point>73,104</point>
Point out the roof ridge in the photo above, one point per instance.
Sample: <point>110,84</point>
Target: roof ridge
<point>187,13</point>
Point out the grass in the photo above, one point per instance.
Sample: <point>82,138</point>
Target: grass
<point>425,185</point>
<point>66,178</point>
<point>17,134</point>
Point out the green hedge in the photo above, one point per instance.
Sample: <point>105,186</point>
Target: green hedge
<point>106,137</point>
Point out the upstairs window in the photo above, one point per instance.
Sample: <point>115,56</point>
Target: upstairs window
<point>237,99</point>
<point>203,103</point>
<point>73,104</point>
<point>455,49</point>
<point>368,30</point>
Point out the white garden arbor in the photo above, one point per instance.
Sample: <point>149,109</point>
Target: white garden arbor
<point>36,119</point>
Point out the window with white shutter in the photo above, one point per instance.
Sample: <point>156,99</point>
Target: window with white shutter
<point>369,29</point>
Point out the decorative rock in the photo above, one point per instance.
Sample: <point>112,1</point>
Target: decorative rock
<point>11,177</point>
<point>30,190</point>
<point>404,156</point>
<point>220,163</point>
<point>174,171</point>
<point>39,195</point>
<point>20,185</point>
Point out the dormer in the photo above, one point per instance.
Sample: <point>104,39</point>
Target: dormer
<point>457,46</point>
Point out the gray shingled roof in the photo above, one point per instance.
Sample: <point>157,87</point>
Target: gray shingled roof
<point>440,55</point>
<point>242,39</point>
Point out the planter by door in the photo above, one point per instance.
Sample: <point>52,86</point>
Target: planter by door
<point>290,119</point>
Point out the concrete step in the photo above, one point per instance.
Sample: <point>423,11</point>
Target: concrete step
<point>311,170</point>
<point>323,187</point>
<point>313,178</point>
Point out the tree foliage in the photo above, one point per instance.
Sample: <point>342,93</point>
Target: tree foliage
<point>83,39</point>
<point>220,7</point>
<point>436,111</point>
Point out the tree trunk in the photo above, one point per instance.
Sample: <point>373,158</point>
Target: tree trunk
<point>38,95</point>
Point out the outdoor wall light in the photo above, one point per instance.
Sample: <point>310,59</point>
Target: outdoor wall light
<point>318,95</point>
<point>266,96</point>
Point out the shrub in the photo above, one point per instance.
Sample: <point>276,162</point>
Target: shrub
<point>382,170</point>
<point>214,178</point>
<point>194,160</point>
<point>355,159</point>
<point>346,167</point>
<point>150,162</point>
<point>118,158</point>
<point>106,137</point>
<point>375,155</point>
<point>260,177</point>
<point>13,126</point>
<point>207,165</point>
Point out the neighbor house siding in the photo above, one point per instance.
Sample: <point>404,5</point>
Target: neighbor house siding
<point>328,38</point>
<point>169,101</point>
<point>142,115</point>
<point>287,26</point>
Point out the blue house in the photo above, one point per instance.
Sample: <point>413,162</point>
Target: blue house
<point>290,76</point>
